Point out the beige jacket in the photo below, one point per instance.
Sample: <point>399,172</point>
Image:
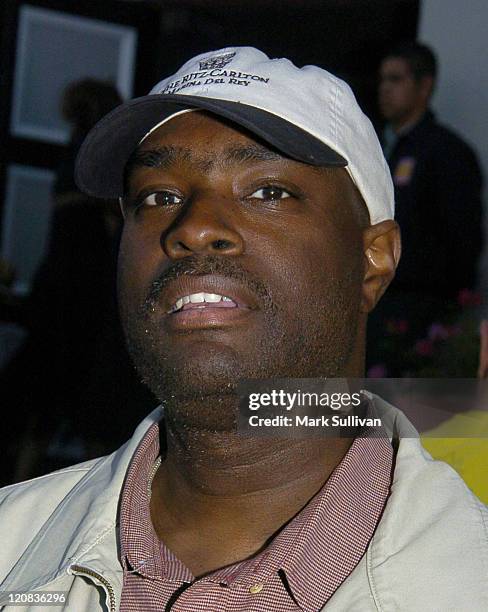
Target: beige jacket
<point>429,552</point>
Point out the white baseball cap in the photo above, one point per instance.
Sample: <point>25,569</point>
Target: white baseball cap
<point>306,113</point>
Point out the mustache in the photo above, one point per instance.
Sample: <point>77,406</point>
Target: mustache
<point>202,266</point>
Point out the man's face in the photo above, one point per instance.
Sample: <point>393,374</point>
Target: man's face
<point>399,92</point>
<point>211,210</point>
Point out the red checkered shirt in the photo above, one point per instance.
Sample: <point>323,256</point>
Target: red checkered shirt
<point>298,571</point>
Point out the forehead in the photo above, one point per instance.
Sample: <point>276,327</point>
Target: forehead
<point>395,65</point>
<point>202,142</point>
<point>198,133</point>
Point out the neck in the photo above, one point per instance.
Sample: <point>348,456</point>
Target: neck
<point>218,498</point>
<point>404,123</point>
<point>226,464</point>
<point>208,461</point>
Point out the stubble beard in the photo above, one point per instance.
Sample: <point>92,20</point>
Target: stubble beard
<point>200,395</point>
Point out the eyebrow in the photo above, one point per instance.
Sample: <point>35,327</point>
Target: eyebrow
<point>162,157</point>
<point>251,153</point>
<point>167,157</point>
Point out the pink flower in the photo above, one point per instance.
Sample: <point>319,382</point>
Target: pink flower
<point>377,371</point>
<point>437,331</point>
<point>466,298</point>
<point>425,348</point>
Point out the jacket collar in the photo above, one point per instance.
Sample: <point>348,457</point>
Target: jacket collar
<point>390,139</point>
<point>427,119</point>
<point>83,528</point>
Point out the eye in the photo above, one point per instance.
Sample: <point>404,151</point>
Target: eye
<point>161,198</point>
<point>271,193</point>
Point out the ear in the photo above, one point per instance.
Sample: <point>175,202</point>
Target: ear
<point>382,248</point>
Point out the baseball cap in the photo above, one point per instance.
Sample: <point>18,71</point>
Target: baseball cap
<point>306,113</point>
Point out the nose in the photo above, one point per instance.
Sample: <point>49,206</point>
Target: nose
<point>203,228</point>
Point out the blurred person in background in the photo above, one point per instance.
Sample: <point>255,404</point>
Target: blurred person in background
<point>75,354</point>
<point>437,180</point>
<point>83,104</point>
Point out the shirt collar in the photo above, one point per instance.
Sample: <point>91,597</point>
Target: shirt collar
<point>338,524</point>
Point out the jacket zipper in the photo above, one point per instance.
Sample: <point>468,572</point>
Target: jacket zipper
<point>79,570</point>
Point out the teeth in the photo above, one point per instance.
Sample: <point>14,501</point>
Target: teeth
<point>213,297</point>
<point>198,298</point>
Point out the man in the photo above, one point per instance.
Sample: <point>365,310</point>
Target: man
<point>258,234</point>
<point>437,183</point>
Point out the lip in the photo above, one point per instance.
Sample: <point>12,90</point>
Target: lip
<point>208,316</point>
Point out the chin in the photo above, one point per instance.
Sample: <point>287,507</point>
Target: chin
<point>386,113</point>
<point>198,393</point>
<point>212,369</point>
<point>206,369</point>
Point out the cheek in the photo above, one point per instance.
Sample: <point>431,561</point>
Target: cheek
<point>303,265</point>
<point>138,259</point>
<point>407,94</point>
<point>321,270</point>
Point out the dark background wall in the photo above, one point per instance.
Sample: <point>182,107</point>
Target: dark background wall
<point>347,37</point>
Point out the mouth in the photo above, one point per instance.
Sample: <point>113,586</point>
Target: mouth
<point>202,300</point>
<point>208,301</point>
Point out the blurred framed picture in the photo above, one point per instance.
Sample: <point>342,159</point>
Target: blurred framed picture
<point>25,228</point>
<point>54,49</point>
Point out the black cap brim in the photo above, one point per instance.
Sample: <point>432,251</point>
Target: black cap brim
<point>104,153</point>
